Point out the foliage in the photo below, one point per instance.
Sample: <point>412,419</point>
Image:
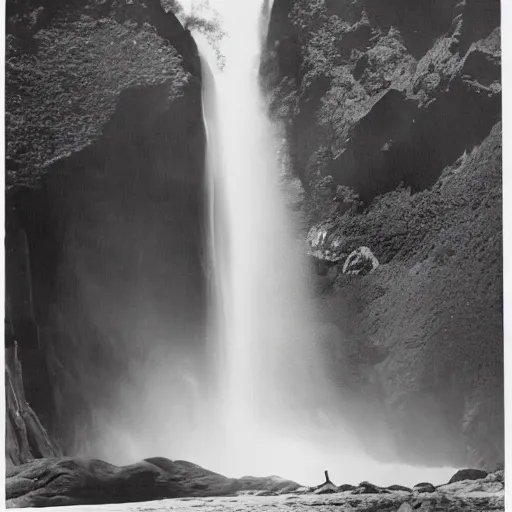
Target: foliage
<point>308,16</point>
<point>347,195</point>
<point>340,108</point>
<point>58,101</point>
<point>284,100</point>
<point>320,35</point>
<point>322,52</point>
<point>203,19</point>
<point>320,159</point>
<point>172,5</point>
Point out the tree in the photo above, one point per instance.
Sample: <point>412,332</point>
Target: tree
<point>201,18</point>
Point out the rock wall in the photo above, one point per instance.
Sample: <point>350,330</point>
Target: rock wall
<point>392,116</point>
<point>104,209</point>
<point>25,438</point>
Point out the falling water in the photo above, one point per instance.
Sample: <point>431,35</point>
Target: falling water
<point>278,412</point>
<point>264,316</point>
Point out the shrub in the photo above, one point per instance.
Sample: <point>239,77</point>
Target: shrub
<point>340,108</point>
<point>203,19</point>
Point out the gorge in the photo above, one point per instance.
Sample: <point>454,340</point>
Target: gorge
<point>161,293</point>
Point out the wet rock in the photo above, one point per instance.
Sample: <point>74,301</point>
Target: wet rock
<point>255,493</point>
<point>424,487</point>
<point>497,476</point>
<point>301,490</point>
<point>327,488</point>
<point>468,486</point>
<point>26,438</point>
<point>368,488</point>
<point>346,487</point>
<point>468,474</point>
<point>398,488</point>
<point>326,245</point>
<point>424,506</point>
<point>272,484</point>
<point>360,262</point>
<point>67,481</point>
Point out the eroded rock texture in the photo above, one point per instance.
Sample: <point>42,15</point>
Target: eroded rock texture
<point>392,115</point>
<point>25,437</point>
<point>66,481</point>
<point>105,160</point>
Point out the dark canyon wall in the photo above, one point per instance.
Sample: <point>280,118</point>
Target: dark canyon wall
<point>104,209</point>
<point>392,113</point>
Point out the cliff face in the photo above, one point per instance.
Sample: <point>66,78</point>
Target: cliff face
<point>392,115</point>
<point>104,210</point>
<point>26,438</point>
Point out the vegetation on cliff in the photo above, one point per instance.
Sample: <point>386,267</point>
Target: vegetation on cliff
<point>66,66</point>
<point>104,133</point>
<point>392,117</point>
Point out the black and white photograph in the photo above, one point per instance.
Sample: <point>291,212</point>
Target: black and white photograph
<point>254,255</point>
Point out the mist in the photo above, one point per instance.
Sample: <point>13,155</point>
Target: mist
<point>211,343</point>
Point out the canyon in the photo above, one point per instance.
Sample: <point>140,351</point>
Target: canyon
<point>391,127</point>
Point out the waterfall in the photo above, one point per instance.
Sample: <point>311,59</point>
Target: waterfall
<point>262,310</point>
<point>276,412</point>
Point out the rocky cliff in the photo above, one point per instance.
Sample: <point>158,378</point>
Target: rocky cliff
<point>104,209</point>
<point>392,118</point>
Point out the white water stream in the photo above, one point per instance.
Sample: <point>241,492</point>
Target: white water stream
<point>274,403</point>
<point>258,400</point>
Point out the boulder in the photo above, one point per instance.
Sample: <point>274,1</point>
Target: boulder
<point>327,488</point>
<point>469,486</point>
<point>497,476</point>
<point>468,474</point>
<point>360,262</point>
<point>426,506</point>
<point>272,484</point>
<point>73,481</point>
<point>398,488</point>
<point>368,488</point>
<point>346,487</point>
<point>324,245</point>
<point>424,487</point>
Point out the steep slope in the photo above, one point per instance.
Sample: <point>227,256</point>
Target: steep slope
<point>105,150</point>
<point>392,117</point>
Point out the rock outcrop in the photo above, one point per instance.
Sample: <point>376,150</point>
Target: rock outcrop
<point>392,116</point>
<point>104,209</point>
<point>25,437</point>
<point>360,262</point>
<point>67,481</point>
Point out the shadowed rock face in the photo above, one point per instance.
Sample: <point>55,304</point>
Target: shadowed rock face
<point>25,437</point>
<point>408,140</point>
<point>410,95</point>
<point>105,217</point>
